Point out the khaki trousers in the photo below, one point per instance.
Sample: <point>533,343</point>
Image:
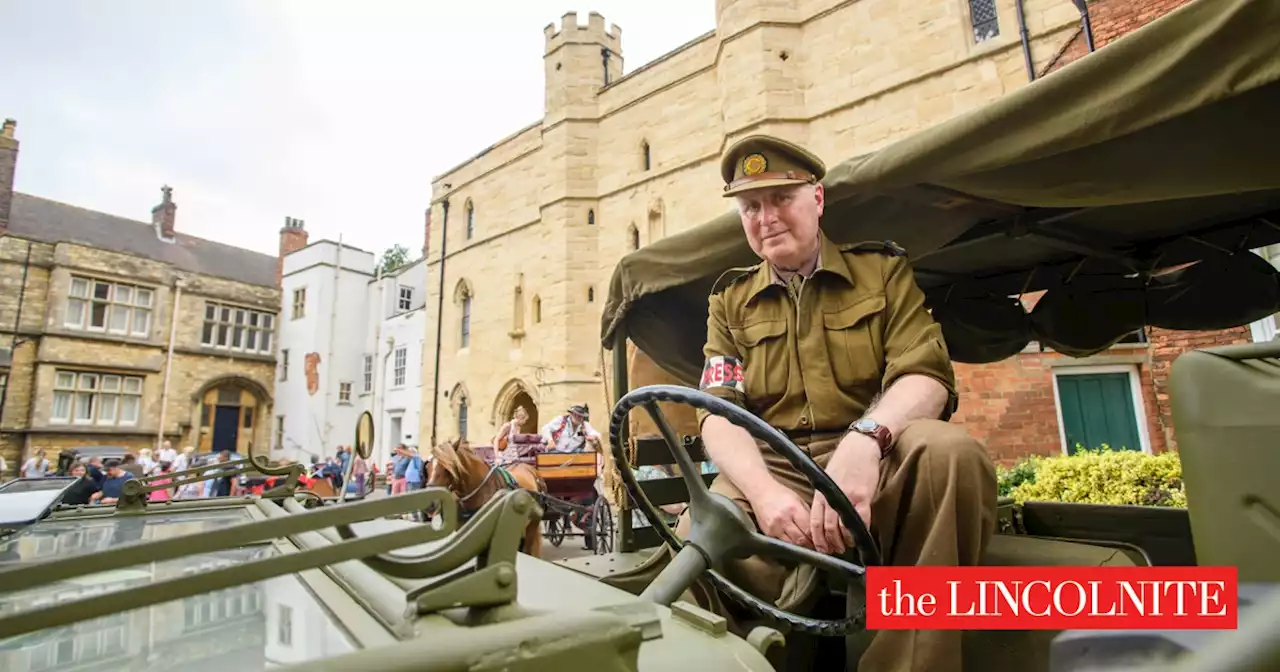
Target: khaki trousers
<point>935,505</point>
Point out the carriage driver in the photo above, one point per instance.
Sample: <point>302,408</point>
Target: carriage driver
<point>832,344</point>
<point>571,433</point>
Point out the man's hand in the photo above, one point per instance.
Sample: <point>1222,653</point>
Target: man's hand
<point>782,515</point>
<point>855,467</point>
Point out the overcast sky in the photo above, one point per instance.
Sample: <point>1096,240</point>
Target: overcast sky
<point>338,113</point>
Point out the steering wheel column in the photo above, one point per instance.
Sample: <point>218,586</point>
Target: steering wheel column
<point>720,530</point>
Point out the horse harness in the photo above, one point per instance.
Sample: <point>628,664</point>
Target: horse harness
<point>508,482</point>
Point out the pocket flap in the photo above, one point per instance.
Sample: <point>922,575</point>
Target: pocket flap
<point>752,334</point>
<point>843,318</point>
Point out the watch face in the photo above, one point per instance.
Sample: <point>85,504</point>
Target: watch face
<point>866,425</point>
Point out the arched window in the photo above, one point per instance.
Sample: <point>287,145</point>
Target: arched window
<point>466,321</point>
<point>537,309</point>
<point>591,218</point>
<point>591,294</point>
<point>462,418</point>
<point>463,296</point>
<point>471,219</point>
<point>633,236</point>
<point>645,156</point>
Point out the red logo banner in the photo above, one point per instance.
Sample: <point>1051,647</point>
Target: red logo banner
<point>1051,598</point>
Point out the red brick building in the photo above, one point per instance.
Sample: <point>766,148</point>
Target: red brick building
<point>1038,402</point>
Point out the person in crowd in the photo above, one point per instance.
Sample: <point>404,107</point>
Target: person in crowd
<point>82,491</point>
<point>113,484</point>
<point>36,467</point>
<point>163,494</point>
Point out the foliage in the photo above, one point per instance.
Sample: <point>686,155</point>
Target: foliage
<point>395,257</point>
<point>1099,476</point>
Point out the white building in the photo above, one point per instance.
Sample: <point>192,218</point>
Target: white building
<point>349,341</point>
<point>1267,328</point>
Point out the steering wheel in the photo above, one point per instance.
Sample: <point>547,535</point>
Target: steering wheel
<point>720,529</point>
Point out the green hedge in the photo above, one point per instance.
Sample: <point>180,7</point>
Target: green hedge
<point>1099,476</point>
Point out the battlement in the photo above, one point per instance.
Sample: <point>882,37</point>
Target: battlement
<point>592,33</point>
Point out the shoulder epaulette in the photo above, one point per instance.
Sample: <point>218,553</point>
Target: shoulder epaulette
<point>881,246</point>
<point>732,276</point>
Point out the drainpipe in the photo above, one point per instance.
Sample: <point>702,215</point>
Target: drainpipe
<point>435,387</point>
<point>1086,25</point>
<point>382,386</point>
<point>1026,41</point>
<point>178,283</point>
<point>373,364</point>
<point>328,367</point>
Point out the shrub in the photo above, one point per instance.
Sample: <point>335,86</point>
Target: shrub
<point>1099,476</point>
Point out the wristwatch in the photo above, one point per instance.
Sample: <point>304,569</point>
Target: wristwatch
<point>875,430</point>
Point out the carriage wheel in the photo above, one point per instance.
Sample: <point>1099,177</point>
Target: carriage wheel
<point>602,526</point>
<point>556,527</point>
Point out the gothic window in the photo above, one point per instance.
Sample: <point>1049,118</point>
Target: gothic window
<point>633,237</point>
<point>463,297</point>
<point>537,309</point>
<point>591,218</point>
<point>466,322</point>
<point>591,294</point>
<point>471,219</point>
<point>647,159</point>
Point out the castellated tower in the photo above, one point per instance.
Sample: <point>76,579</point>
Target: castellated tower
<point>580,60</point>
<point>761,70</point>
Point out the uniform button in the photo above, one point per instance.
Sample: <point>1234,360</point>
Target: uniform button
<point>804,421</point>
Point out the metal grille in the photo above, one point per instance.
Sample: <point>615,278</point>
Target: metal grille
<point>982,14</point>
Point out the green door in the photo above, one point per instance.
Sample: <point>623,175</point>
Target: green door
<point>1097,408</point>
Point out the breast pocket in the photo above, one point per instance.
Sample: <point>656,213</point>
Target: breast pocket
<point>854,347</point>
<point>764,349</point>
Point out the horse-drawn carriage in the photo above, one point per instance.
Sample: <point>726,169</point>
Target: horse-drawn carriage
<point>570,500</point>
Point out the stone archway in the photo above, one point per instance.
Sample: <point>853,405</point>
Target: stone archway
<point>230,413</point>
<point>516,393</point>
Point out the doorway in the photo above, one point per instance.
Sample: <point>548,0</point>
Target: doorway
<point>394,431</point>
<point>228,417</point>
<point>226,428</point>
<point>522,398</point>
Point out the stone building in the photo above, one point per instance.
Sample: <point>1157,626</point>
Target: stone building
<point>531,227</point>
<point>350,339</point>
<point>122,332</point>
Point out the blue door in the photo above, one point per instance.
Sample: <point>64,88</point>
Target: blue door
<point>226,427</point>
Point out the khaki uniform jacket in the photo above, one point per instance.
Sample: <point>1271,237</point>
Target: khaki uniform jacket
<point>816,366</point>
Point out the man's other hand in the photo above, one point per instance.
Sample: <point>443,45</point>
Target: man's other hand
<point>855,467</point>
<point>782,514</point>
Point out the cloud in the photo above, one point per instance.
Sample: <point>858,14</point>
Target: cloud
<point>337,113</point>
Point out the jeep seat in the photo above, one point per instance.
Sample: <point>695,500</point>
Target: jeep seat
<point>1224,403</point>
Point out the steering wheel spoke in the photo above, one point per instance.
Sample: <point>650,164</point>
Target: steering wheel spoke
<point>692,475</point>
<point>721,530</point>
<point>765,545</point>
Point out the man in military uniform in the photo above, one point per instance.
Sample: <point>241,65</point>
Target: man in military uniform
<point>836,349</point>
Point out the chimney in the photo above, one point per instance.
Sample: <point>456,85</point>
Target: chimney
<point>426,236</point>
<point>163,216</point>
<point>8,167</point>
<point>293,237</point>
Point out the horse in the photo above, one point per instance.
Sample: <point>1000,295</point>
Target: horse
<point>457,467</point>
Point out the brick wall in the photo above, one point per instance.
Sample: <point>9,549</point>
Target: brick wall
<point>1010,405</point>
<point>1111,20</point>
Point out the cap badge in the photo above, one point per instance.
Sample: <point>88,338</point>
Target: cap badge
<point>754,164</point>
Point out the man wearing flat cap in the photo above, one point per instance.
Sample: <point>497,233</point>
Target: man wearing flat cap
<point>837,350</point>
